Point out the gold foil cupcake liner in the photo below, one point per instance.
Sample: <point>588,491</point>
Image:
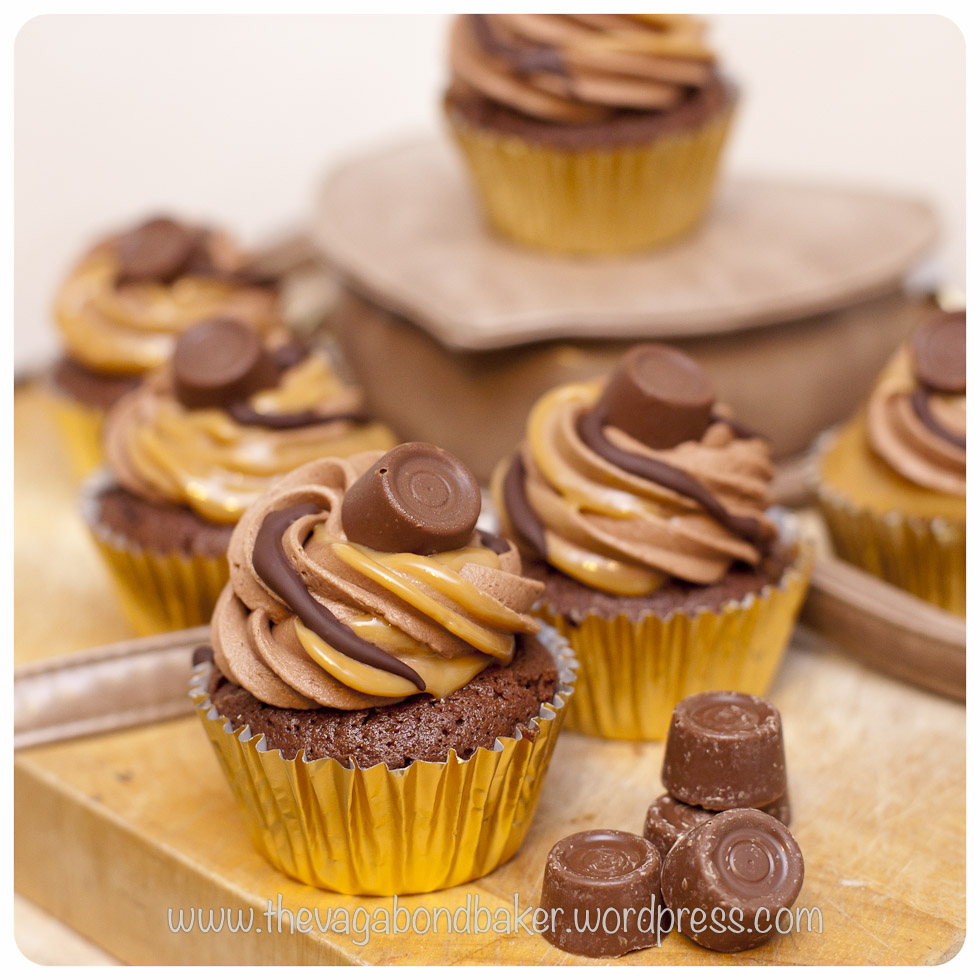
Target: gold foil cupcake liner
<point>632,672</point>
<point>926,557</point>
<point>597,201</point>
<point>80,426</point>
<point>158,592</point>
<point>380,831</point>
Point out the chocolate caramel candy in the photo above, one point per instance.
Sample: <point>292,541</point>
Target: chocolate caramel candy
<point>659,396</point>
<point>157,251</point>
<point>727,880</point>
<point>416,498</point>
<point>668,820</point>
<point>601,890</point>
<point>725,749</point>
<point>939,353</point>
<point>220,362</point>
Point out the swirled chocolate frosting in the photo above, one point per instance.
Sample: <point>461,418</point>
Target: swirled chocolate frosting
<point>916,419</point>
<point>624,483</point>
<point>229,414</point>
<point>580,68</point>
<point>128,299</point>
<point>311,617</point>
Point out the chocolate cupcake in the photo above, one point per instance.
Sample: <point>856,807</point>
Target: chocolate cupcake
<point>588,133</point>
<point>124,304</point>
<point>892,482</point>
<point>374,659</point>
<point>194,444</point>
<point>641,506</point>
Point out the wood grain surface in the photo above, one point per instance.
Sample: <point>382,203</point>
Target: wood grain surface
<point>63,594</point>
<point>114,830</point>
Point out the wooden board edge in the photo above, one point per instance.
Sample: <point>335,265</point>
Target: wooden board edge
<point>95,884</point>
<point>886,628</point>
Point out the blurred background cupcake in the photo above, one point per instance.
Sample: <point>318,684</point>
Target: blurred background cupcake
<point>892,482</point>
<point>588,133</point>
<point>194,444</point>
<point>379,702</point>
<point>641,505</point>
<point>124,304</point>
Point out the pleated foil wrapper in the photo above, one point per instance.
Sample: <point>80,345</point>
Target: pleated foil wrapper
<point>634,671</point>
<point>924,556</point>
<point>80,428</point>
<point>380,831</point>
<point>158,591</point>
<point>594,201</point>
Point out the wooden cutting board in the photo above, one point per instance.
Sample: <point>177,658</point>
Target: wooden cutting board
<point>114,830</point>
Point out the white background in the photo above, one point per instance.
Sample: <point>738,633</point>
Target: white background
<point>235,119</point>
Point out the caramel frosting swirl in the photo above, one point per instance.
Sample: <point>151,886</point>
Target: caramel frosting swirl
<point>120,326</point>
<point>580,68</point>
<point>617,531</point>
<point>445,616</point>
<point>920,433</point>
<point>217,465</point>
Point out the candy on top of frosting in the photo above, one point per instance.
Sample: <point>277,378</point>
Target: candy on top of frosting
<point>121,308</point>
<point>579,68</point>
<point>219,362</point>
<point>244,428</point>
<point>621,515</point>
<point>443,617</point>
<point>916,418</point>
<point>417,498</point>
<point>160,249</point>
<point>659,396</point>
<point>938,349</point>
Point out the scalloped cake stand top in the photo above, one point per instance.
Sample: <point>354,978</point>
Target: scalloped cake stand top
<point>402,224</point>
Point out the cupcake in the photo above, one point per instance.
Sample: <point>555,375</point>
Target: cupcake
<point>641,505</point>
<point>379,700</point>
<point>194,444</point>
<point>121,308</point>
<point>588,133</point>
<point>892,482</point>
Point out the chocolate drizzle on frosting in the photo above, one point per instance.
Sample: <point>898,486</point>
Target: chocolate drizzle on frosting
<point>272,566</point>
<point>589,428</point>
<point>498,544</point>
<point>920,405</point>
<point>522,517</point>
<point>524,60</point>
